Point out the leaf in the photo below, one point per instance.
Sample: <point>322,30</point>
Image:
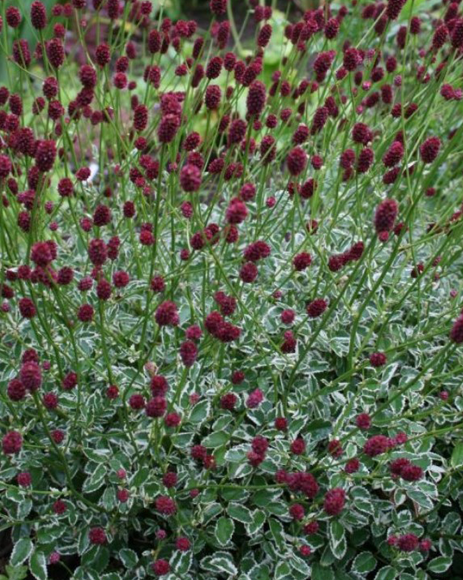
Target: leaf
<point>320,572</point>
<point>128,557</point>
<point>21,551</point>
<point>276,529</point>
<point>211,511</point>
<point>24,509</point>
<point>224,529</point>
<point>337,533</point>
<point>259,518</point>
<point>141,476</point>
<point>337,539</point>
<point>96,558</point>
<point>299,565</point>
<point>282,571</point>
<point>38,565</point>
<point>240,513</point>
<point>259,572</point>
<point>277,508</point>
<point>200,412</point>
<point>439,565</point>
<point>181,562</point>
<point>457,455</point>
<point>236,454</point>
<point>95,480</point>
<point>340,575</point>
<point>386,573</point>
<point>319,428</point>
<point>420,498</point>
<point>264,496</point>
<point>15,573</point>
<point>221,562</point>
<point>216,439</point>
<point>451,523</point>
<point>365,562</point>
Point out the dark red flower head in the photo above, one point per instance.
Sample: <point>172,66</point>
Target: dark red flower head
<point>160,567</point>
<point>167,314</point>
<point>408,542</point>
<point>429,150</point>
<point>168,127</point>
<point>165,505</point>
<point>256,98</point>
<point>31,376</point>
<point>296,161</point>
<point>12,443</point>
<point>218,7</point>
<point>456,333</point>
<point>385,215</point>
<point>302,261</point>
<point>317,307</point>
<point>38,15</point>
<point>97,536</point>
<point>190,178</point>
<point>394,8</point>
<point>376,445</point>
<point>334,501</point>
<point>45,155</point>
<point>55,52</point>
<point>378,359</point>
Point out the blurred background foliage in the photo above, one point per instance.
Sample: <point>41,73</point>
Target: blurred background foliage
<point>190,9</point>
<point>174,9</point>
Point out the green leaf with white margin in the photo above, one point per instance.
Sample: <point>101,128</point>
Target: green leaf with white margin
<point>95,480</point>
<point>451,523</point>
<point>220,562</point>
<point>211,510</point>
<point>200,412</point>
<point>128,557</point>
<point>181,562</point>
<point>439,565</point>
<point>386,573</point>
<point>38,565</point>
<point>337,539</point>
<point>276,529</point>
<point>85,573</point>
<point>283,571</point>
<point>299,565</point>
<point>21,551</point>
<point>258,520</point>
<point>365,562</point>
<point>216,439</point>
<point>83,541</point>
<point>24,509</point>
<point>240,513</point>
<point>97,558</point>
<point>237,454</point>
<point>421,499</point>
<point>259,571</point>
<point>224,529</point>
